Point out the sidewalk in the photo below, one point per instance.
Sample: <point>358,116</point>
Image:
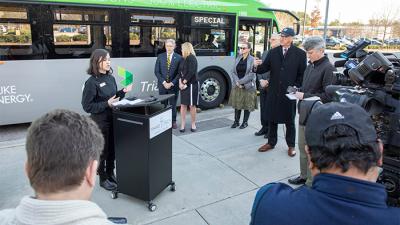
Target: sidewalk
<point>217,172</point>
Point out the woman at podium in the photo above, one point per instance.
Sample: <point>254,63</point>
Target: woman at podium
<point>99,92</point>
<point>188,85</point>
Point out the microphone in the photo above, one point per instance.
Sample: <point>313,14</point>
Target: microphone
<point>340,63</point>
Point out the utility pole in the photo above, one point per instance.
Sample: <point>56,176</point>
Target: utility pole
<point>326,18</point>
<point>304,19</point>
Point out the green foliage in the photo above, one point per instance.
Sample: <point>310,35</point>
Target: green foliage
<point>10,38</point>
<point>133,36</point>
<point>63,38</point>
<point>80,37</point>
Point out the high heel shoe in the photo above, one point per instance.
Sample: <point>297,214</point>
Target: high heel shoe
<point>182,130</point>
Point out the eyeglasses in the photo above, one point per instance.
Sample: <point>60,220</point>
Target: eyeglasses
<point>242,48</point>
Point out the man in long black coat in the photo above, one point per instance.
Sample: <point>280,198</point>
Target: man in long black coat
<point>286,64</point>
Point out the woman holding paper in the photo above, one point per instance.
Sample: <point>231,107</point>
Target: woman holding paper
<point>99,93</point>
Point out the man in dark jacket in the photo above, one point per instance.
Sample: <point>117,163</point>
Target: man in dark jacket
<point>345,156</point>
<point>166,71</point>
<point>318,75</point>
<point>286,64</point>
<point>263,80</point>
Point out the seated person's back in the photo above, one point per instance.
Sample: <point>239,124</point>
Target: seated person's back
<point>63,149</point>
<point>345,154</point>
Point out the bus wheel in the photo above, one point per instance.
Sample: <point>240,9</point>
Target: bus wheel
<point>212,89</point>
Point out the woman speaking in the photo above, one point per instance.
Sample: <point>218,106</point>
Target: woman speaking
<point>99,92</point>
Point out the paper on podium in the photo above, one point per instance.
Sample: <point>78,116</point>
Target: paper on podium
<point>127,102</point>
<point>313,98</point>
<point>291,96</point>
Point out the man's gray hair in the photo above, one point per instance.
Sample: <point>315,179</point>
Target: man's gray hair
<point>314,42</point>
<point>172,41</point>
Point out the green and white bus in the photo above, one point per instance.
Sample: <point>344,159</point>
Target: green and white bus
<point>45,46</point>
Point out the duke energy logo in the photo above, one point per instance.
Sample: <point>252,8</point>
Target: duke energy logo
<point>128,76</point>
<point>9,95</point>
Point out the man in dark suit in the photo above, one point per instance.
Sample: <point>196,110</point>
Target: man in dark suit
<point>286,64</point>
<point>263,88</point>
<point>166,71</point>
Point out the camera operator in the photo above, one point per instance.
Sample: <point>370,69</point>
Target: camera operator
<point>344,155</point>
<point>318,75</point>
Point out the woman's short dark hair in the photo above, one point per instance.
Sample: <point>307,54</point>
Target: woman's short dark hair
<point>248,44</point>
<point>343,150</point>
<point>59,146</point>
<point>98,56</point>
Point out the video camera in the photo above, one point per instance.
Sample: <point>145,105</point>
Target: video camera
<point>372,80</point>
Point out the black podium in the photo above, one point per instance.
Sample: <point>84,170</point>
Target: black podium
<point>143,148</point>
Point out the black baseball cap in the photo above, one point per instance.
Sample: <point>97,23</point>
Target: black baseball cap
<point>287,32</point>
<point>327,115</point>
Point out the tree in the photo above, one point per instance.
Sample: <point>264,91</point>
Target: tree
<point>315,17</point>
<point>301,17</point>
<point>396,29</point>
<point>388,17</point>
<point>334,23</point>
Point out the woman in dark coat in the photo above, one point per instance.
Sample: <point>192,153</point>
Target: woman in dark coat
<point>188,85</point>
<point>243,95</point>
<point>99,93</point>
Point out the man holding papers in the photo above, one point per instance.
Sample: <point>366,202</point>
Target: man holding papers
<point>318,75</point>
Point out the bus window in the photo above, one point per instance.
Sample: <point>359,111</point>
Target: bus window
<point>15,33</point>
<point>134,35</point>
<point>148,32</point>
<point>150,18</point>
<point>209,39</point>
<point>78,32</point>
<point>161,34</point>
<point>210,34</point>
<point>259,38</point>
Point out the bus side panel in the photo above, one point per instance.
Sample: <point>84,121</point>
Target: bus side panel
<point>30,88</point>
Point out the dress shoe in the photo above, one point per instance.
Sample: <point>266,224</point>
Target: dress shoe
<point>182,130</point>
<point>193,129</point>
<point>244,125</point>
<point>174,126</point>
<point>108,185</point>
<point>235,124</point>
<point>260,132</point>
<point>291,152</point>
<point>297,181</point>
<point>265,148</point>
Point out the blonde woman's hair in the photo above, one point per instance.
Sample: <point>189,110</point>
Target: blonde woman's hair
<point>187,49</point>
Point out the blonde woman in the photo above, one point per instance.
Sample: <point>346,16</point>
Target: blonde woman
<point>188,85</point>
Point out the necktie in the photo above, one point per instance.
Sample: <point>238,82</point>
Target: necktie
<point>284,52</point>
<point>168,65</point>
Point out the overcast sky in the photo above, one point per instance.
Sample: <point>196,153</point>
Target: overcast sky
<point>344,10</point>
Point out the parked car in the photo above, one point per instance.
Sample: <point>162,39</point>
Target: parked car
<point>332,42</point>
<point>68,30</point>
<point>376,42</point>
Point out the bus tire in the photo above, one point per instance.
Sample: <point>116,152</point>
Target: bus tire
<point>212,89</point>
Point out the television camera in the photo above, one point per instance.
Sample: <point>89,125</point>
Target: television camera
<point>372,80</point>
